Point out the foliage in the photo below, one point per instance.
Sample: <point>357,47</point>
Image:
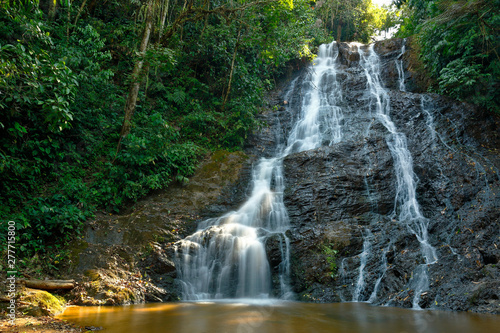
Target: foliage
<point>390,18</point>
<point>35,84</point>
<point>459,45</point>
<point>64,78</point>
<point>331,258</point>
<point>352,19</point>
<point>65,69</point>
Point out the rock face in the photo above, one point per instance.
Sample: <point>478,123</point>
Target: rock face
<point>346,240</point>
<point>341,200</point>
<point>128,258</point>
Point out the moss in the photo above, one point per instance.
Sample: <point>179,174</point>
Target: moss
<point>94,287</point>
<point>93,275</point>
<point>102,289</point>
<point>330,254</point>
<point>220,155</point>
<point>118,295</point>
<point>225,161</point>
<point>125,295</point>
<point>42,303</point>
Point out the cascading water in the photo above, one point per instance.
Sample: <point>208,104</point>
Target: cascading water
<point>383,270</point>
<point>360,284</point>
<point>400,68</point>
<point>407,209</point>
<point>226,257</point>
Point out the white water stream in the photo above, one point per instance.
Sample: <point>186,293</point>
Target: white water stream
<point>407,209</point>
<point>400,68</point>
<point>360,284</point>
<point>226,257</point>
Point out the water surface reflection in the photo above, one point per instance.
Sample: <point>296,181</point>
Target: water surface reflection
<point>273,316</point>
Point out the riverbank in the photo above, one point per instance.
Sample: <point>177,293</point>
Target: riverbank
<point>45,324</point>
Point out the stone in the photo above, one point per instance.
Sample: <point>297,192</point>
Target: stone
<point>343,196</point>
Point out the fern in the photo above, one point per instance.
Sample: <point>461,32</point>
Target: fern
<point>178,96</point>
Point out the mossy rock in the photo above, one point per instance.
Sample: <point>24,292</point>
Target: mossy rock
<point>93,275</point>
<point>221,168</point>
<point>41,303</point>
<point>123,296</point>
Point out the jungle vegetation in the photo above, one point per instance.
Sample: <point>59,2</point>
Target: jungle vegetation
<point>102,102</point>
<point>459,43</point>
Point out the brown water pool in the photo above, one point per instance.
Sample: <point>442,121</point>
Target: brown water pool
<point>276,317</point>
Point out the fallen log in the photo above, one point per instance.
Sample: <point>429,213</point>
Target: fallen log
<point>49,284</point>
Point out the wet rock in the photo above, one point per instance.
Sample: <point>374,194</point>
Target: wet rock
<point>348,54</point>
<point>93,328</point>
<point>333,174</point>
<point>341,203</point>
<point>343,196</point>
<point>275,245</point>
<point>388,47</point>
<point>34,302</point>
<point>129,258</point>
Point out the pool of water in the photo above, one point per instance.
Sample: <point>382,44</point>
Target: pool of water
<point>275,316</point>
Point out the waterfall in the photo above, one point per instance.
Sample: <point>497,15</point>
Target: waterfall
<point>400,68</point>
<point>360,284</point>
<point>383,270</point>
<point>429,119</point>
<point>407,209</point>
<point>320,114</point>
<point>226,256</point>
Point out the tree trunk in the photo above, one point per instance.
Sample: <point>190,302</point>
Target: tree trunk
<point>80,11</point>
<point>53,4</point>
<point>136,82</point>
<point>332,18</point>
<point>49,7</point>
<point>339,31</point>
<point>92,6</point>
<point>69,21</point>
<point>49,284</point>
<point>206,18</point>
<point>163,18</point>
<point>232,70</point>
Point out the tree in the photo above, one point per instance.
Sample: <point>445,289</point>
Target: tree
<point>460,46</point>
<point>351,19</point>
<point>390,18</point>
<point>133,92</point>
<point>171,80</point>
<point>50,8</point>
<point>189,13</point>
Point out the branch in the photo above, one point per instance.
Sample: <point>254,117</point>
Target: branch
<point>80,11</point>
